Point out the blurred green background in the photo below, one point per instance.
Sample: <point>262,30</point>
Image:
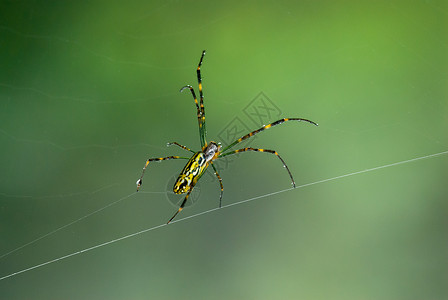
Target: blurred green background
<point>89,91</point>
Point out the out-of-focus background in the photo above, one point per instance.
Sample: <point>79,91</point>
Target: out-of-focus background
<point>89,91</point>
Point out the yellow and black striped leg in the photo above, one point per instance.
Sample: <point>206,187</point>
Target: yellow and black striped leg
<point>250,134</point>
<point>182,204</point>
<point>262,150</point>
<point>139,182</point>
<point>199,113</point>
<point>220,184</point>
<point>183,147</point>
<point>201,96</point>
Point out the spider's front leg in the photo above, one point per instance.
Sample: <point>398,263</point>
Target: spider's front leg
<point>139,181</point>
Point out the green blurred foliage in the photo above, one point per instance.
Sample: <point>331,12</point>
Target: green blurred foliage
<point>89,91</point>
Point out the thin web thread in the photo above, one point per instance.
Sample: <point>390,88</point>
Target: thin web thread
<point>66,225</point>
<point>211,210</point>
<point>72,222</point>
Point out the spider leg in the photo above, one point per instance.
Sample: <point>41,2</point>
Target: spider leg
<point>262,150</point>
<point>182,204</point>
<point>177,144</point>
<point>220,183</point>
<point>250,134</point>
<point>199,113</point>
<point>199,106</point>
<point>139,182</point>
<point>201,96</point>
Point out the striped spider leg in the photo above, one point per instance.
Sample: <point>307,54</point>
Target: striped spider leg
<point>140,180</point>
<point>199,113</point>
<point>220,183</point>
<point>181,205</point>
<point>199,106</point>
<point>177,144</point>
<point>262,150</point>
<point>223,153</point>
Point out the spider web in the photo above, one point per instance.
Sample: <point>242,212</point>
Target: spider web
<point>81,116</point>
<point>185,218</point>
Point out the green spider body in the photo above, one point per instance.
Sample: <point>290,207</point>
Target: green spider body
<point>194,168</point>
<point>200,161</point>
<point>191,173</point>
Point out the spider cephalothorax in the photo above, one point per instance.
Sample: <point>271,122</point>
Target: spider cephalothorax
<point>199,162</point>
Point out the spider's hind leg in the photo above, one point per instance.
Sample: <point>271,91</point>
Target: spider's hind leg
<point>263,150</point>
<point>220,184</point>
<point>182,205</point>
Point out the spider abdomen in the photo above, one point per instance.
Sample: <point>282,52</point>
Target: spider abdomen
<point>191,173</point>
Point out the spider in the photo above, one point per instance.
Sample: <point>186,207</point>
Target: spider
<point>199,162</point>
